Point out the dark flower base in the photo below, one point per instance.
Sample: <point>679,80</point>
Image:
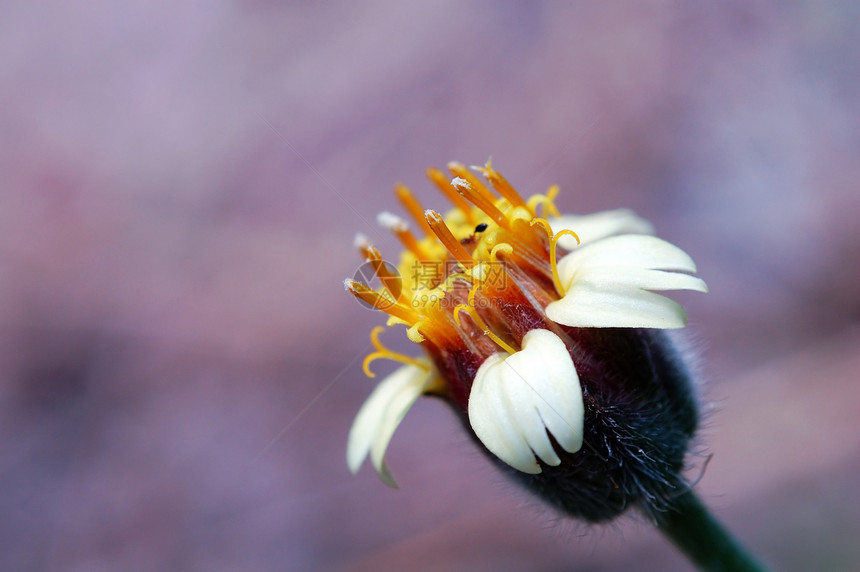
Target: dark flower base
<point>640,414</point>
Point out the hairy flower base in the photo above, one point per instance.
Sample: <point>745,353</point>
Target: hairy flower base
<point>640,414</point>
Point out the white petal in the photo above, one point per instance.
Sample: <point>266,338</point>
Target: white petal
<point>599,225</point>
<point>607,284</point>
<point>380,415</point>
<point>490,417</point>
<point>586,307</point>
<point>608,277</point>
<point>516,399</point>
<point>637,251</point>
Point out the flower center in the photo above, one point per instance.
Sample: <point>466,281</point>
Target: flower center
<point>490,257</point>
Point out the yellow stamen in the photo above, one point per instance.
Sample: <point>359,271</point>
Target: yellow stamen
<point>380,302</point>
<point>443,184</point>
<point>501,185</point>
<point>473,312</point>
<point>501,247</point>
<point>440,229</point>
<point>553,247</point>
<point>384,353</point>
<point>547,201</point>
<point>412,206</point>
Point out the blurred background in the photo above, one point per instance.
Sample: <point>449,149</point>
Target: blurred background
<point>181,183</point>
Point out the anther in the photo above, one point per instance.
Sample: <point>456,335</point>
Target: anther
<point>460,170</point>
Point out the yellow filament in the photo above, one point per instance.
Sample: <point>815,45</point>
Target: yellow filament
<point>501,247</point>
<point>547,201</point>
<point>470,309</point>
<point>553,247</point>
<point>384,353</point>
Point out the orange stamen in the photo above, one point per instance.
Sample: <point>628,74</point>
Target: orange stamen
<point>408,240</point>
<point>482,203</point>
<point>412,206</point>
<point>380,302</point>
<point>460,170</point>
<point>440,229</point>
<point>443,184</point>
<point>501,185</point>
<point>391,281</point>
<point>401,230</point>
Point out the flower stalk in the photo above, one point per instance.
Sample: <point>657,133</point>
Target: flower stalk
<point>692,528</point>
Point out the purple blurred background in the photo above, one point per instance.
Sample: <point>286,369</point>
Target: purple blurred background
<point>179,364</point>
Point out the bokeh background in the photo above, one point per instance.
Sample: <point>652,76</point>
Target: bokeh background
<point>181,183</point>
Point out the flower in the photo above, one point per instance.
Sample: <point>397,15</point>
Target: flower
<point>557,367</point>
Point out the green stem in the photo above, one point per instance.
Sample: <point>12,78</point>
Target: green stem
<point>691,528</point>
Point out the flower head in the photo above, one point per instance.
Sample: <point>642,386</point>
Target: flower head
<point>542,332</point>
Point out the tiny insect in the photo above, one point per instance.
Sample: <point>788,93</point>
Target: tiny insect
<point>472,238</point>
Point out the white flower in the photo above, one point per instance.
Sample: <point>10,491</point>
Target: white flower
<point>599,225</point>
<point>381,414</point>
<point>516,399</point>
<point>609,283</point>
<point>479,303</point>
